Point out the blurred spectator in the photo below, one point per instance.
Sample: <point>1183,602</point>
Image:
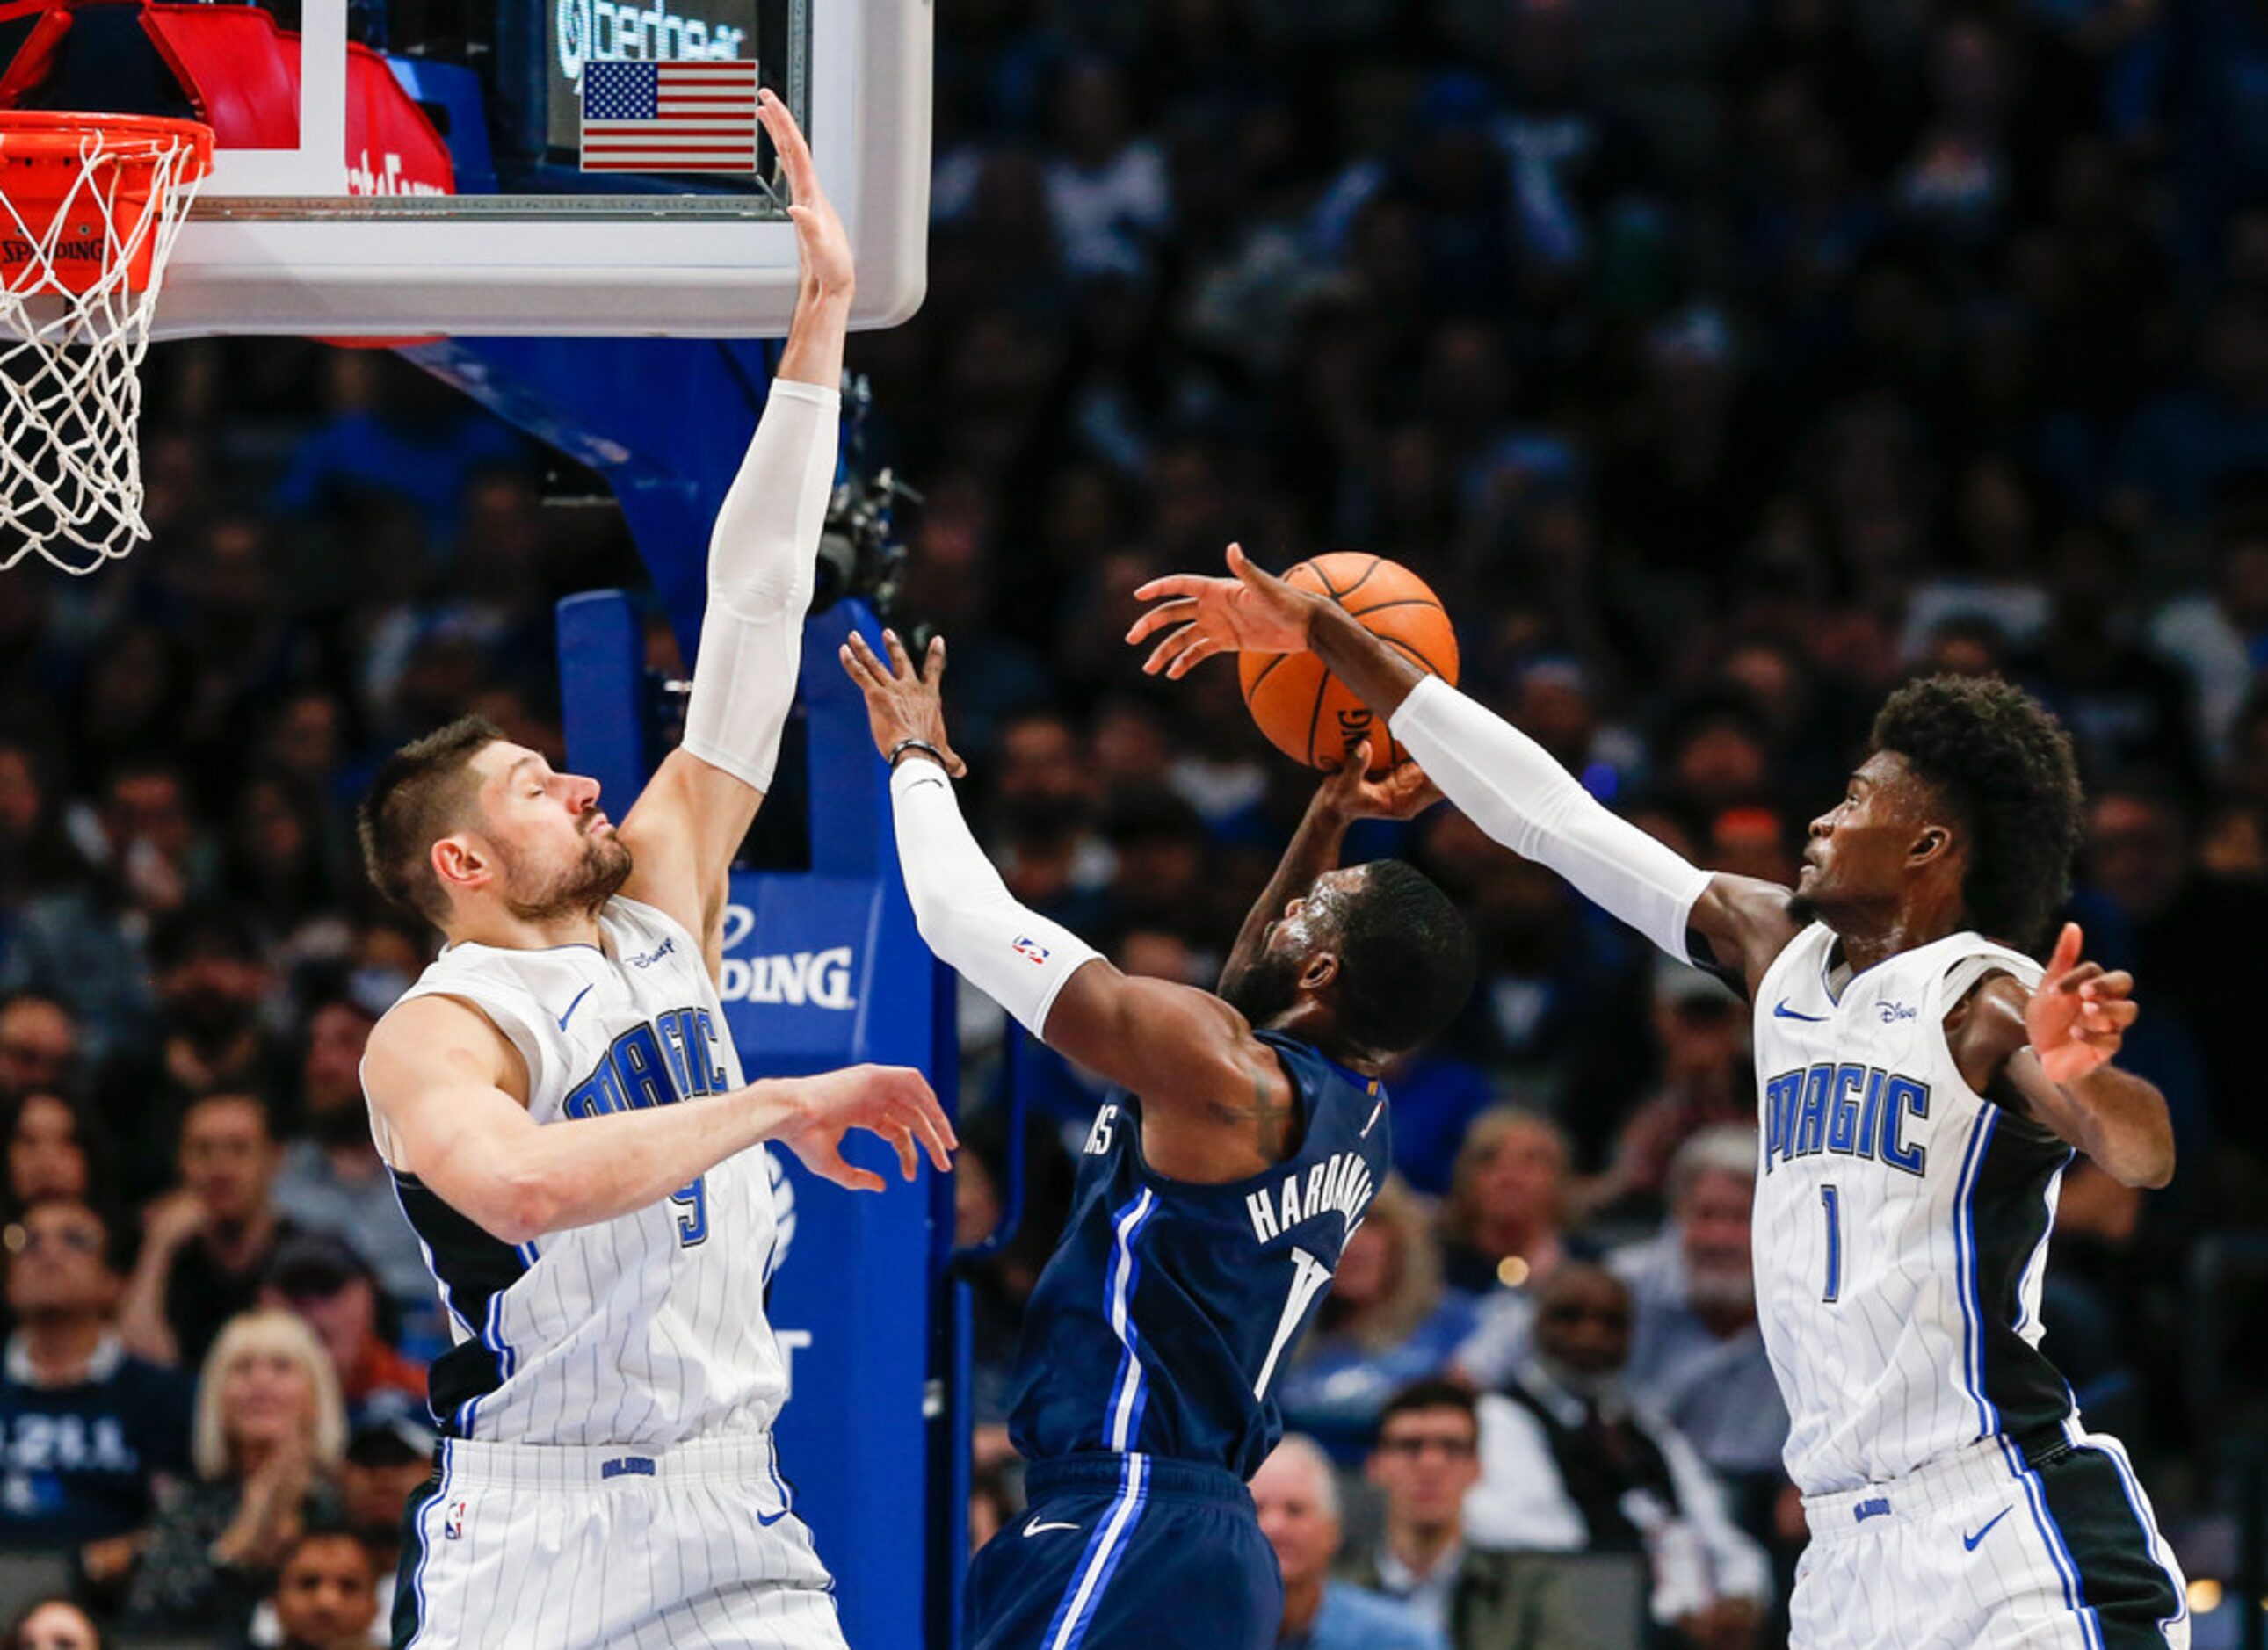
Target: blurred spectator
<point>389,1457</point>
<point>88,944</point>
<point>1298,1505</point>
<point>326,1594</point>
<point>88,1429</point>
<point>1702,1031</point>
<point>1697,1357</point>
<point>212,978</point>
<point>1426,1461</point>
<point>1385,1321</point>
<point>2217,637</point>
<point>206,1246</point>
<point>269,1431</point>
<point>1501,1225</point>
<point>328,1285</point>
<point>57,1146</point>
<point>1567,1465</point>
<point>38,1044</point>
<point>55,1624</point>
<point>331,1178</point>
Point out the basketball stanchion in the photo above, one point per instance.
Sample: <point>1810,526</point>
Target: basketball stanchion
<point>90,208</point>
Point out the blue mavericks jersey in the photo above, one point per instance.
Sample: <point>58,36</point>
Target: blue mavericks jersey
<point>1170,1309</point>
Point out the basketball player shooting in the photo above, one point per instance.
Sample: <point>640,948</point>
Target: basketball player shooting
<point>1216,1189</point>
<point>566,1118</point>
<point>1923,1085</point>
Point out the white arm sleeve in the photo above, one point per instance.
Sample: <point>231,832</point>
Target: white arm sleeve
<point>763,555</point>
<point>1509,786</point>
<point>1015,956</point>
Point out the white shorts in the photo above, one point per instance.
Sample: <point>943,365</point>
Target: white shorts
<point>555,1548</point>
<point>1986,1548</point>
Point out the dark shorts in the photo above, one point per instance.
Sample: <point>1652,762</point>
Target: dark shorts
<point>1127,1552</point>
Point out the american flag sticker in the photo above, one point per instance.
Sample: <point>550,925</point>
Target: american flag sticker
<point>669,117</point>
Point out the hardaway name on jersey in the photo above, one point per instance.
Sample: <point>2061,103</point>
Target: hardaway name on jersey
<point>648,1328</point>
<point>1902,1221</point>
<point>1170,1309</point>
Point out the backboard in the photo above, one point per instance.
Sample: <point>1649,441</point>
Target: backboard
<point>400,168</point>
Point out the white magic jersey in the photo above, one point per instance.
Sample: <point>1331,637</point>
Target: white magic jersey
<point>648,1328</point>
<point>1901,1221</point>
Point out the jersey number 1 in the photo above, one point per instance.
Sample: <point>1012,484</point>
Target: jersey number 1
<point>1831,1201</point>
<point>1309,1276</point>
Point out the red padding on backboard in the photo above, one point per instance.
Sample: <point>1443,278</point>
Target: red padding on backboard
<point>242,73</point>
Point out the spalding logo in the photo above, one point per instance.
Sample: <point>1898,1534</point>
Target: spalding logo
<point>793,979</point>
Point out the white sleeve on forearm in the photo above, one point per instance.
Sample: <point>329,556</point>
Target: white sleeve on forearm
<point>1509,786</point>
<point>761,558</point>
<point>1015,956</point>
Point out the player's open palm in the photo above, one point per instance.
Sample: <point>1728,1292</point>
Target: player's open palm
<point>894,1101</point>
<point>822,243</point>
<point>902,704</point>
<point>2079,1013</point>
<point>1250,611</point>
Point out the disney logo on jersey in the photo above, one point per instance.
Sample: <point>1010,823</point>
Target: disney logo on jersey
<point>1892,1012</point>
<point>647,959</point>
<point>1844,1110</point>
<point>1340,1183</point>
<point>790,979</point>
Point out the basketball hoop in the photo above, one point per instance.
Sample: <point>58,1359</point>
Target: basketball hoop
<point>89,205</point>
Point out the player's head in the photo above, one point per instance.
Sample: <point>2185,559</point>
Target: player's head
<point>1371,961</point>
<point>463,821</point>
<point>1970,791</point>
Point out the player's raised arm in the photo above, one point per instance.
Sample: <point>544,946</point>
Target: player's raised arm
<point>447,1096</point>
<point>1509,786</point>
<point>2046,1053</point>
<point>693,815</point>
<point>1218,1104</point>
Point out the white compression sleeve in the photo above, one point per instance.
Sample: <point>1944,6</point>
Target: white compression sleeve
<point>1015,956</point>
<point>763,555</point>
<point>1509,786</point>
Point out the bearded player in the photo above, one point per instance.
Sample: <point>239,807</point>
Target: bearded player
<point>1922,1086</point>
<point>1216,1189</point>
<point>564,1116</point>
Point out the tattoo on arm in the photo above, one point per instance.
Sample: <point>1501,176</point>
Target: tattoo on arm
<point>1275,1123</point>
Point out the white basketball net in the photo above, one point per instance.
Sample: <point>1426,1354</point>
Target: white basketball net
<point>70,386</point>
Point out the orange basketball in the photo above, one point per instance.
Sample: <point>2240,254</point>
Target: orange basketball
<point>1306,712</point>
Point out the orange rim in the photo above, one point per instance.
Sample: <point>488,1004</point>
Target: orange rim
<point>35,135</point>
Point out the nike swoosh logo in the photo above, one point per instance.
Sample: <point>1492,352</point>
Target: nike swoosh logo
<point>1780,1010</point>
<point>774,1519</point>
<point>1041,1530</point>
<point>1969,1541</point>
<point>572,1006</point>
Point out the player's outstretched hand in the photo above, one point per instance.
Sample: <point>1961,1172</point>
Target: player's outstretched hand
<point>1250,612</point>
<point>894,1101</point>
<point>2079,1014</point>
<point>901,703</point>
<point>1348,791</point>
<point>822,245</point>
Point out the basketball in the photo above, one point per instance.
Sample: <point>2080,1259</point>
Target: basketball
<point>1306,712</point>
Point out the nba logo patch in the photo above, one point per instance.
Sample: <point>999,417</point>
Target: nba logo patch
<point>1032,949</point>
<point>453,1527</point>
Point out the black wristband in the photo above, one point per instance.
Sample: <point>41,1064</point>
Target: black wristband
<point>904,745</point>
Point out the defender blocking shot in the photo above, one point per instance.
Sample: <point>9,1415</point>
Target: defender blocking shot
<point>570,1133</point>
<point>1922,1084</point>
